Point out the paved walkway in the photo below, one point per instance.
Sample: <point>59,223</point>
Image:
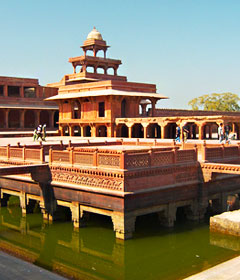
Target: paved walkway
<point>12,268</point>
<point>229,270</point>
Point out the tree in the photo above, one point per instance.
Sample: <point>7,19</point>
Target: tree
<point>226,101</point>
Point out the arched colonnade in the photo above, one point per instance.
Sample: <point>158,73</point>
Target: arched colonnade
<point>161,130</point>
<point>26,118</point>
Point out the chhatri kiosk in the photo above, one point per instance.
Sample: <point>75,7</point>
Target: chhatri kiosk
<point>95,101</point>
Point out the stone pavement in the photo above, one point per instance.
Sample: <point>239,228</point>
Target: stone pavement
<point>12,268</point>
<point>78,139</point>
<point>229,270</point>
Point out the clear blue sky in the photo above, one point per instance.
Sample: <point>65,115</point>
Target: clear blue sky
<point>186,47</point>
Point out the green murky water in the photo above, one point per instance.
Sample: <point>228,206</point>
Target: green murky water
<point>94,253</point>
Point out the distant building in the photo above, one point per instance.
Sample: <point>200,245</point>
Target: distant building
<point>22,105</point>
<point>94,101</point>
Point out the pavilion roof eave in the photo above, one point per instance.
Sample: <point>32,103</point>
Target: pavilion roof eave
<point>107,92</point>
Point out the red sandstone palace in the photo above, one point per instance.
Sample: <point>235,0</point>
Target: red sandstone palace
<point>95,101</point>
<point>22,104</point>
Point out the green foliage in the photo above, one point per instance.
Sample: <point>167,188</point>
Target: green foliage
<point>226,101</point>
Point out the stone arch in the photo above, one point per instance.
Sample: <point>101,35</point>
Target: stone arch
<point>55,119</point>
<point>29,119</point>
<point>100,53</point>
<point>170,130</point>
<point>154,130</point>
<point>193,130</point>
<point>110,71</point>
<point>2,118</point>
<point>87,131</point>
<point>89,52</point>
<point>90,69</point>
<point>137,130</point>
<point>122,131</point>
<point>14,119</point>
<point>100,70</point>
<point>66,131</point>
<point>102,131</point>
<point>210,130</point>
<point>76,130</point>
<point>44,117</point>
<point>76,110</point>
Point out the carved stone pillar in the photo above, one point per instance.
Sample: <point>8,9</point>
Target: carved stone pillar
<point>22,113</point>
<point>79,217</point>
<point>61,130</point>
<point>22,92</point>
<point>37,118</point>
<point>129,130</point>
<point>144,109</point>
<point>37,91</point>
<point>82,131</point>
<point>115,131</point>
<point>75,209</point>
<point>23,202</point>
<point>6,118</point>
<point>71,130</point>
<point>5,90</point>
<point>93,131</point>
<point>200,131</point>
<point>153,107</point>
<point>168,216</point>
<point>163,131</point>
<point>145,126</point>
<point>210,131</point>
<point>123,225</point>
<point>110,131</point>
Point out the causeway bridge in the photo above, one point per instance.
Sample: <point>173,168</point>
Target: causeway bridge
<point>121,179</point>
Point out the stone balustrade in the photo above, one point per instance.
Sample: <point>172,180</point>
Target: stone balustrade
<point>22,154</point>
<point>121,159</point>
<point>220,153</point>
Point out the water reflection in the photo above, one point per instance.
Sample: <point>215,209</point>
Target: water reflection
<point>94,253</point>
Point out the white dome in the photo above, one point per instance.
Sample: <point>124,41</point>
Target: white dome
<point>94,34</point>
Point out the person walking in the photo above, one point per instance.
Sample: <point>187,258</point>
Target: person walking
<point>178,134</point>
<point>34,134</point>
<point>39,132</point>
<point>226,133</point>
<point>220,133</point>
<point>44,132</point>
<point>185,133</point>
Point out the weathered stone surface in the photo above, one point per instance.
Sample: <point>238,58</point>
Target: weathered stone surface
<point>227,222</point>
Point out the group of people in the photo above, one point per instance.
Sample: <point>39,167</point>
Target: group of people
<point>40,132</point>
<point>185,130</point>
<point>224,133</point>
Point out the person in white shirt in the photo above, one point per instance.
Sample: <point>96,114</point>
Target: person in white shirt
<point>220,133</point>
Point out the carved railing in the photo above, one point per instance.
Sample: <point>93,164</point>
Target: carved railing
<point>22,154</point>
<point>220,153</point>
<point>121,159</point>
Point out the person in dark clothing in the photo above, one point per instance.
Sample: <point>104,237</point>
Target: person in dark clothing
<point>227,130</point>
<point>185,132</point>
